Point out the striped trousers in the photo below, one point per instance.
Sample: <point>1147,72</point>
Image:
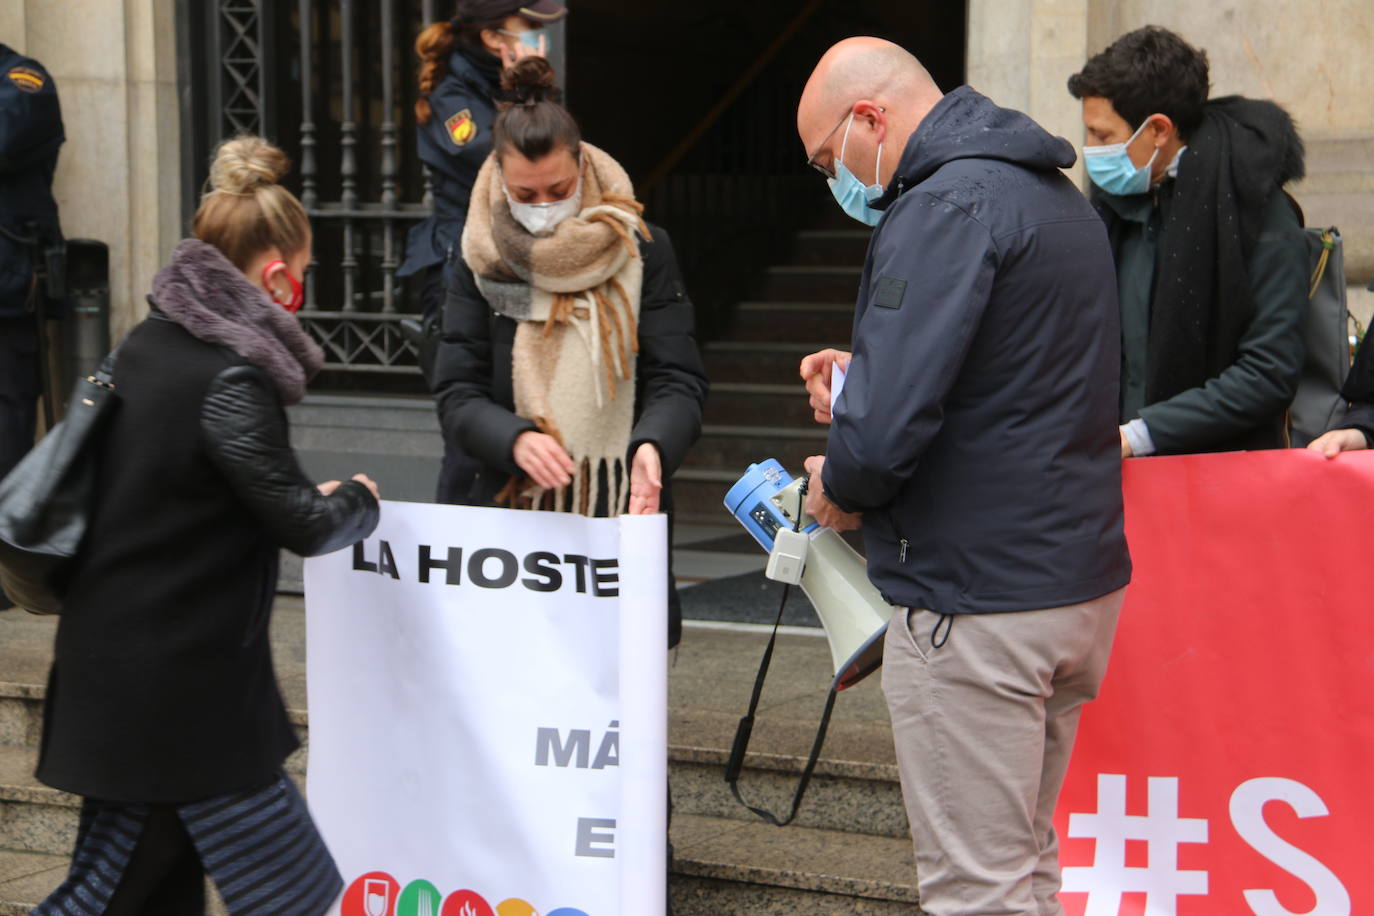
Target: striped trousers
<point>260,847</point>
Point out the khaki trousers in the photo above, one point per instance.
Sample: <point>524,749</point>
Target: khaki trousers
<point>984,713</point>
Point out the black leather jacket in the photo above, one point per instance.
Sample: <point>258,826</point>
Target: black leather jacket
<point>247,438</point>
<point>162,684</point>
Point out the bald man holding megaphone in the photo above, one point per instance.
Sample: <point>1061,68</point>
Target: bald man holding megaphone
<point>975,442</point>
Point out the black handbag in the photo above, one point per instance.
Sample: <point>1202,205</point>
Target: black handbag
<point>45,500</point>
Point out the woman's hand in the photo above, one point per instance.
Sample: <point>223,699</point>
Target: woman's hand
<point>370,484</point>
<point>543,459</point>
<point>329,486</point>
<point>1338,440</point>
<point>646,480</point>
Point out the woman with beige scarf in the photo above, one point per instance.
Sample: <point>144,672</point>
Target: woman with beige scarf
<point>567,365</point>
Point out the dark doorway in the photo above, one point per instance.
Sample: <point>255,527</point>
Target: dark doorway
<point>697,99</point>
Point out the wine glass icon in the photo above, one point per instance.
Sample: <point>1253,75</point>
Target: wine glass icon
<point>376,897</point>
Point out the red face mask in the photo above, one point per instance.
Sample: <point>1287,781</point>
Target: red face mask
<point>297,290</point>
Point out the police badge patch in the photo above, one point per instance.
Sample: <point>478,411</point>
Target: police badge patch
<point>461,128</point>
<point>26,78</point>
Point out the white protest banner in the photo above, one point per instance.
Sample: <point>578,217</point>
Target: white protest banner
<point>488,713</point>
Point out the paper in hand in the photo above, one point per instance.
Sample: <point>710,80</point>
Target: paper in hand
<point>836,383</point>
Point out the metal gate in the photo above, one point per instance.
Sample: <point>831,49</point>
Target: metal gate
<point>330,81</point>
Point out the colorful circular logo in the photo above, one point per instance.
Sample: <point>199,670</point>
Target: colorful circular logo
<point>379,894</point>
<point>420,898</point>
<point>466,903</point>
<point>372,894</point>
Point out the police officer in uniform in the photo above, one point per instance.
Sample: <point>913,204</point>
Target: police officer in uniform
<point>30,245</point>
<point>460,75</point>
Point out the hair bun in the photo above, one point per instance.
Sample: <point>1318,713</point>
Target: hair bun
<point>244,164</point>
<point>529,81</point>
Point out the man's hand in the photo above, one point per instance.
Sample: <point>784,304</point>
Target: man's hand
<point>1126,451</point>
<point>1338,440</point>
<point>646,480</point>
<point>815,372</point>
<point>826,513</point>
<point>545,461</point>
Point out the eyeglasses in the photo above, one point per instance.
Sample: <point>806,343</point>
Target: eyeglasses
<point>811,160</point>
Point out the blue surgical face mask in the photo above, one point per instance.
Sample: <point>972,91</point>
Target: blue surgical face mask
<point>1111,169</point>
<point>528,37</point>
<point>850,193</point>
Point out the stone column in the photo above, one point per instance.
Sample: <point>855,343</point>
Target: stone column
<point>118,174</point>
<point>1022,52</point>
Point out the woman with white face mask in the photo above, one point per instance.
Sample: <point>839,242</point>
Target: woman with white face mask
<point>567,365</point>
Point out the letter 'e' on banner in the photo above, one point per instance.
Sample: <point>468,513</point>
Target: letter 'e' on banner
<point>488,713</point>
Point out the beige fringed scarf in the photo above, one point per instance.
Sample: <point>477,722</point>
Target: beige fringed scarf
<point>575,294</point>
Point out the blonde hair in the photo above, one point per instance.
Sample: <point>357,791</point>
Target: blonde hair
<point>245,211</point>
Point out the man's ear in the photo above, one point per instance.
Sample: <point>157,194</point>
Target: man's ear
<point>1164,127</point>
<point>871,113</point>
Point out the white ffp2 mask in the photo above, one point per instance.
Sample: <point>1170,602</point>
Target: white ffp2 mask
<point>540,219</point>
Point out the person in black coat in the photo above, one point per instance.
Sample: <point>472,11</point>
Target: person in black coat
<point>460,75</point>
<point>567,365</point>
<point>163,709</point>
<point>30,136</point>
<point>1356,429</point>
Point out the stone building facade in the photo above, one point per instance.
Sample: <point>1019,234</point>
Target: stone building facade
<point>117,67</point>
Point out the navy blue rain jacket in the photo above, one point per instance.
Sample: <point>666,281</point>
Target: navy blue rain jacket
<point>454,144</point>
<point>977,428</point>
<point>31,134</point>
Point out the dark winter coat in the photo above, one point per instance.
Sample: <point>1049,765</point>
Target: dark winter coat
<point>162,687</point>
<point>977,427</point>
<point>31,134</point>
<point>1212,278</point>
<point>473,374</point>
<point>454,144</point>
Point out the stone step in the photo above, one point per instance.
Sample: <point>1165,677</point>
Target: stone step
<point>831,246</point>
<point>810,283</point>
<point>751,362</point>
<point>718,867</point>
<point>758,404</point>
<point>780,322</point>
<point>26,878</point>
<point>724,866</point>
<point>33,817</point>
<point>734,448</point>
<point>701,492</point>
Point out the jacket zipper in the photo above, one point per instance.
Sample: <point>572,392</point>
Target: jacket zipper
<point>902,542</point>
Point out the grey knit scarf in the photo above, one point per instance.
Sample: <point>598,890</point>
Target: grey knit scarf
<point>202,291</point>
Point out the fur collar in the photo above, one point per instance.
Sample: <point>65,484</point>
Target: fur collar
<point>210,297</point>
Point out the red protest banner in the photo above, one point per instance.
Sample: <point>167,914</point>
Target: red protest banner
<point>1225,767</point>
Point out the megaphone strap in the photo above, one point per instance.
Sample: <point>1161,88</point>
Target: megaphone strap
<point>746,724</point>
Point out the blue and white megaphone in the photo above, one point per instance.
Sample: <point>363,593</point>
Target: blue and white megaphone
<point>767,501</point>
